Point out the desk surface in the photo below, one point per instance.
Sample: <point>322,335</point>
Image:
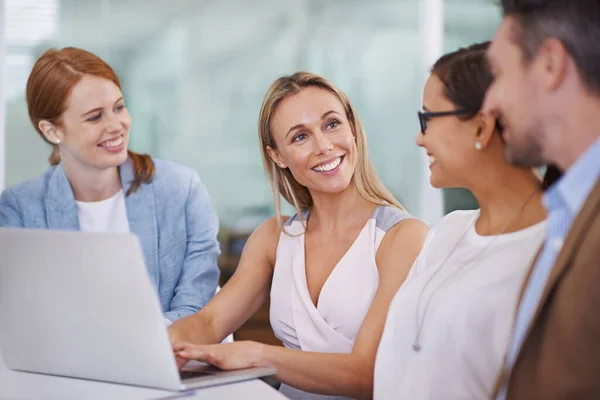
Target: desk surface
<point>27,386</point>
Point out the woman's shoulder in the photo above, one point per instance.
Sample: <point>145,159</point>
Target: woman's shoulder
<point>452,224</point>
<point>173,180</point>
<point>386,217</point>
<point>397,226</point>
<point>275,229</point>
<point>166,172</point>
<point>458,219</point>
<point>31,190</point>
<point>181,188</point>
<point>265,238</point>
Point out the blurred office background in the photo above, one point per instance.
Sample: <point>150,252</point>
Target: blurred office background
<point>194,73</point>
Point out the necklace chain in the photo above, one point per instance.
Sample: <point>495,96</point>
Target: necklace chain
<point>421,319</point>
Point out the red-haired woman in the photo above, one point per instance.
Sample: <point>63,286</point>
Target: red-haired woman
<point>96,184</point>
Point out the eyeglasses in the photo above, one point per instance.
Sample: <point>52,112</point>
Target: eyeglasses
<point>426,116</point>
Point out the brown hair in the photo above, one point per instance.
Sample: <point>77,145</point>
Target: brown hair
<point>49,85</point>
<point>466,76</point>
<point>573,22</point>
<point>282,182</point>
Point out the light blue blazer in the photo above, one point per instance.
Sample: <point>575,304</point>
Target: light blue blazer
<point>172,217</point>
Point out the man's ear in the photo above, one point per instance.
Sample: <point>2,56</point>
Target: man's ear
<point>552,62</point>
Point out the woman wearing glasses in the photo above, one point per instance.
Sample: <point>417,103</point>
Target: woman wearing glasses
<point>448,326</point>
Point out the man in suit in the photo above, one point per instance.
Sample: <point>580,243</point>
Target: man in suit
<point>546,92</point>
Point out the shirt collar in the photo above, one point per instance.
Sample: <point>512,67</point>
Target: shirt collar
<point>577,182</point>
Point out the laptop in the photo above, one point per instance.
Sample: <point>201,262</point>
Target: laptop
<point>81,305</point>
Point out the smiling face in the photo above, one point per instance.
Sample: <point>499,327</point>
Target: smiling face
<point>449,141</point>
<point>94,128</point>
<point>516,98</point>
<point>315,140</point>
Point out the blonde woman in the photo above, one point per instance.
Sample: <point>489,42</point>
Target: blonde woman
<point>332,269</point>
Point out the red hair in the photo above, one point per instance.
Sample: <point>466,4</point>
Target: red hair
<point>50,83</point>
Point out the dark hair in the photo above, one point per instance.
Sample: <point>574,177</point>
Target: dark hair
<point>52,78</point>
<point>551,176</point>
<point>466,76</point>
<point>576,23</point>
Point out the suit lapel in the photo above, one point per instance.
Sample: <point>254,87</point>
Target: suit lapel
<point>61,208</point>
<point>141,215</point>
<point>574,238</point>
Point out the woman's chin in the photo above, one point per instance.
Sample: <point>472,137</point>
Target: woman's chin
<point>331,189</point>
<point>112,160</point>
<point>436,181</point>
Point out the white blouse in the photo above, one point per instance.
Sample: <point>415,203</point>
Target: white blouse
<point>346,296</point>
<point>463,302</point>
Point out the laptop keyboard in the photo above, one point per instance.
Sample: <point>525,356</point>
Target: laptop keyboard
<point>198,372</point>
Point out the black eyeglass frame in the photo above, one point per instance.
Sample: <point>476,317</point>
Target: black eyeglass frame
<point>426,116</point>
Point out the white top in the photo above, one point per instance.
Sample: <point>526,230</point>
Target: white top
<point>107,215</point>
<point>344,300</point>
<point>466,328</point>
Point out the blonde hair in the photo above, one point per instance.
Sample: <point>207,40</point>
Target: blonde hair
<point>282,182</point>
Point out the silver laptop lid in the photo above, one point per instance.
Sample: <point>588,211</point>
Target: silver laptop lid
<point>82,305</point>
